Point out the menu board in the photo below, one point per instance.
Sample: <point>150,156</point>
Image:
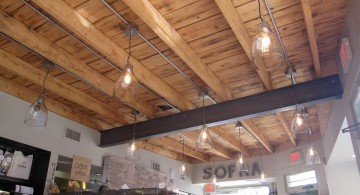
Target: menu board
<point>117,172</point>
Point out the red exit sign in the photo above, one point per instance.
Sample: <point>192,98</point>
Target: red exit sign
<point>209,187</point>
<point>345,54</point>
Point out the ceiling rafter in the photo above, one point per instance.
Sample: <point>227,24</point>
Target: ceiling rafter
<point>253,130</point>
<point>237,25</point>
<point>22,34</point>
<point>146,145</point>
<point>230,139</point>
<point>151,16</point>
<point>29,95</point>
<point>72,20</point>
<point>178,147</point>
<point>33,74</point>
<point>306,7</point>
<point>216,149</point>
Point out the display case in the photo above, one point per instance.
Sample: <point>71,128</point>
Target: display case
<point>38,172</point>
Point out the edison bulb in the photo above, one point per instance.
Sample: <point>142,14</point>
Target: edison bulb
<point>311,152</point>
<point>133,147</point>
<point>183,169</point>
<point>299,120</point>
<point>241,160</point>
<point>132,153</point>
<point>240,164</point>
<point>127,79</point>
<point>265,43</point>
<point>204,135</point>
<point>214,180</point>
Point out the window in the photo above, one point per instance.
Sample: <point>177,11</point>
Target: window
<point>301,179</point>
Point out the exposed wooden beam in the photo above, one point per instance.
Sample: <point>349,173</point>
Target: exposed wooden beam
<point>306,7</point>
<point>29,38</point>
<point>162,151</point>
<point>238,27</point>
<point>285,125</point>
<point>74,21</point>
<point>216,149</point>
<point>151,16</point>
<point>253,130</point>
<point>269,102</point>
<point>177,146</point>
<point>33,74</point>
<point>29,95</point>
<point>229,139</point>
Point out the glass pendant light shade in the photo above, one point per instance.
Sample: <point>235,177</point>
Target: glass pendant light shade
<point>312,156</point>
<point>126,83</point>
<point>37,114</point>
<point>183,171</point>
<point>132,152</point>
<point>240,164</point>
<point>266,51</point>
<point>203,141</point>
<point>299,124</point>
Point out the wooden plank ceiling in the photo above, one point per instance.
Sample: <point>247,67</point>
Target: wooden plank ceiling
<point>210,41</point>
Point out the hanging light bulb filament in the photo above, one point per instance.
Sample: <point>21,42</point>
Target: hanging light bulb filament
<point>241,160</point>
<point>204,135</point>
<point>183,168</point>
<point>299,120</point>
<point>311,152</point>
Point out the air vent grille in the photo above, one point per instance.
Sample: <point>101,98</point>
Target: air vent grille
<point>156,166</point>
<point>72,134</point>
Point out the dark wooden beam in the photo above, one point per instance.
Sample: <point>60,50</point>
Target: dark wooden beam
<point>269,102</point>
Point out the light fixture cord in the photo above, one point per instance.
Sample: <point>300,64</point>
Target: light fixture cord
<point>128,58</point>
<point>204,110</point>
<point>183,142</point>
<point>262,164</point>
<point>213,157</point>
<point>310,131</point>
<point>240,138</point>
<point>261,17</point>
<point>43,84</point>
<point>134,126</point>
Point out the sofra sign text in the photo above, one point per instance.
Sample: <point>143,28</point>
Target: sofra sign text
<point>230,170</point>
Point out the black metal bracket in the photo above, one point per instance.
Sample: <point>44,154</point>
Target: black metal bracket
<point>351,128</point>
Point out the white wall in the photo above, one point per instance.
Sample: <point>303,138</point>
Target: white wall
<point>343,178</point>
<point>276,166</point>
<point>51,138</point>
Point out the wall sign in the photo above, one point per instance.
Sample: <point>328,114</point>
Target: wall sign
<point>229,171</point>
<point>80,169</point>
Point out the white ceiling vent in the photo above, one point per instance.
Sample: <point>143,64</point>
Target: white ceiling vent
<point>72,134</point>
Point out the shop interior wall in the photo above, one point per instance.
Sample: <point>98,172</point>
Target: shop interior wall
<point>51,138</point>
<point>276,166</point>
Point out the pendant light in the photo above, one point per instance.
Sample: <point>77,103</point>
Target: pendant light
<point>182,168</point>
<point>37,114</point>
<point>266,50</point>
<point>312,156</point>
<point>132,152</point>
<point>240,164</point>
<point>127,82</point>
<point>203,141</point>
<point>263,178</point>
<point>299,124</point>
<point>213,178</point>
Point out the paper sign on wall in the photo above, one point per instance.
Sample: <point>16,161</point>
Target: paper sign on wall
<point>80,169</point>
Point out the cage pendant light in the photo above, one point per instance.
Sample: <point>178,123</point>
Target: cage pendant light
<point>37,114</point>
<point>312,156</point>
<point>266,51</point>
<point>182,168</point>
<point>132,151</point>
<point>203,141</point>
<point>299,124</point>
<point>240,163</point>
<point>127,82</point>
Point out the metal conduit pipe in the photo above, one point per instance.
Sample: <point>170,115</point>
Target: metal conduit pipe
<point>291,70</point>
<point>89,48</point>
<point>157,50</point>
